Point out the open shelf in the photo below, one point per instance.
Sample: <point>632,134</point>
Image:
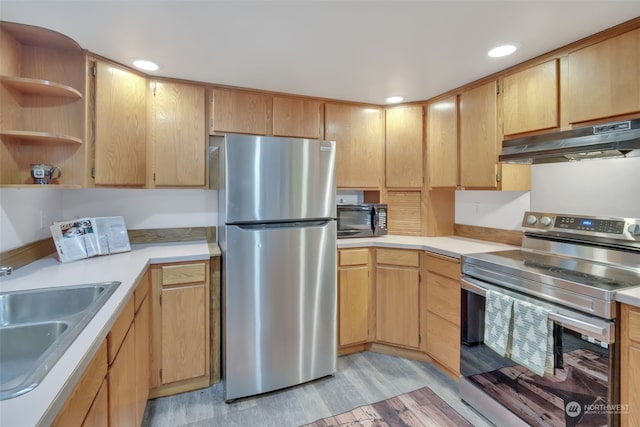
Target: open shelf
<point>40,87</point>
<point>44,137</point>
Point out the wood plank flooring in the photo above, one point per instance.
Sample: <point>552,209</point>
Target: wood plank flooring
<point>361,379</point>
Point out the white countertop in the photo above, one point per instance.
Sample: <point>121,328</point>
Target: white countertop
<point>41,405</point>
<point>452,246</point>
<point>630,296</point>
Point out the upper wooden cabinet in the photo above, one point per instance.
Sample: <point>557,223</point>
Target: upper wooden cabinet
<point>604,79</point>
<point>530,99</point>
<point>403,147</point>
<point>120,126</point>
<point>43,76</point>
<point>296,117</point>
<point>359,135</point>
<point>479,137</point>
<point>239,111</point>
<point>177,135</point>
<point>442,143</point>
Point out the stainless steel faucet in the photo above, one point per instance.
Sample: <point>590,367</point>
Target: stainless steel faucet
<point>6,270</point>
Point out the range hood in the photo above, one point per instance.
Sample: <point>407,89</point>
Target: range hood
<point>619,139</point>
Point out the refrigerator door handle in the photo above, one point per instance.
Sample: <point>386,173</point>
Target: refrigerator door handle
<point>292,224</point>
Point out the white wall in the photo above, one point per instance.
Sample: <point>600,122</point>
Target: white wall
<point>493,209</point>
<point>20,214</point>
<point>608,187</point>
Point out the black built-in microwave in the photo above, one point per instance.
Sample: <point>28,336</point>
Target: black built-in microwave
<point>362,220</point>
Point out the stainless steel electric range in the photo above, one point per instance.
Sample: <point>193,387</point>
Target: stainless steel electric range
<point>569,267</point>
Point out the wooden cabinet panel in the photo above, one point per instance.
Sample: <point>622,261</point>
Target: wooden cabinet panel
<point>478,137</point>
<point>604,79</point>
<point>296,117</point>
<point>403,147</point>
<point>98,415</point>
<point>530,99</point>
<point>629,362</point>
<point>120,126</point>
<point>184,336</point>
<point>79,403</point>
<point>354,293</point>
<point>397,305</point>
<point>442,143</point>
<point>119,330</point>
<point>142,358</point>
<point>177,134</point>
<point>405,214</point>
<point>402,257</point>
<point>445,266</point>
<point>183,273</point>
<point>240,112</point>
<point>443,342</point>
<point>359,136</point>
<point>122,384</point>
<point>141,290</point>
<point>443,298</point>
<point>353,257</point>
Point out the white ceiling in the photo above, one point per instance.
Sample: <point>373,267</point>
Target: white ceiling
<point>351,50</point>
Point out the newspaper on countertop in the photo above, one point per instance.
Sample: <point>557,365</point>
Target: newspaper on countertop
<point>88,237</point>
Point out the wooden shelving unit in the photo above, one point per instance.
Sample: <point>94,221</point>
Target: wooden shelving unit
<point>40,87</point>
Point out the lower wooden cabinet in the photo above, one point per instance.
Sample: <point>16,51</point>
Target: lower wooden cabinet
<point>122,383</point>
<point>180,337</point>
<point>398,297</point>
<point>98,415</point>
<point>142,347</point>
<point>443,312</point>
<point>629,362</point>
<point>354,297</point>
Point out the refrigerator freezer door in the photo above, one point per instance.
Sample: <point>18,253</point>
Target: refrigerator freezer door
<point>279,306</point>
<point>278,179</point>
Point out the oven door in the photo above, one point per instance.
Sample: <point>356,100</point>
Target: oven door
<point>582,390</point>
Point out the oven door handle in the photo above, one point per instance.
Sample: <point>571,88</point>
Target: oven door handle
<point>601,330</point>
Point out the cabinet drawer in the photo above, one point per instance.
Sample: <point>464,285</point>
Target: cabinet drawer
<point>183,273</point>
<point>443,342</point>
<point>443,297</point>
<point>446,266</point>
<point>353,257</point>
<point>398,257</point>
<point>119,330</point>
<point>634,325</point>
<point>141,291</point>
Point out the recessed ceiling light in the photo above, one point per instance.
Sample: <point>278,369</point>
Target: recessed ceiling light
<point>394,99</point>
<point>143,64</point>
<point>504,50</point>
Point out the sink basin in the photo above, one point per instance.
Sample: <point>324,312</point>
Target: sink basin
<point>37,326</point>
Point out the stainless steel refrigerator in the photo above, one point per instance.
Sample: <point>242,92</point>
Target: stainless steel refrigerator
<point>277,233</point>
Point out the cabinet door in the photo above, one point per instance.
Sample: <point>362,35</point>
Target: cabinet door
<point>353,304</point>
<point>478,137</point>
<point>604,78</point>
<point>122,383</point>
<point>397,305</point>
<point>98,415</point>
<point>530,99</point>
<point>239,112</point>
<point>177,134</point>
<point>359,136</point>
<point>120,126</point>
<point>296,117</point>
<point>183,333</point>
<point>442,143</point>
<point>142,351</point>
<point>403,147</point>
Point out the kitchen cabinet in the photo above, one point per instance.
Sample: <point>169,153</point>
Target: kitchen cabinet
<point>530,99</point>
<point>121,376</point>
<point>354,297</point>
<point>238,111</point>
<point>604,79</point>
<point>443,312</point>
<point>629,362</point>
<point>404,212</point>
<point>397,297</point>
<point>480,144</point>
<point>87,398</point>
<point>297,117</point>
<point>177,135</point>
<point>98,415</point>
<point>43,79</point>
<point>142,346</point>
<point>359,135</point>
<point>180,337</point>
<point>442,143</point>
<point>403,147</point>
<point>120,126</point>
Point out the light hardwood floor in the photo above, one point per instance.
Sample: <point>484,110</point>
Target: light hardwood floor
<point>361,379</point>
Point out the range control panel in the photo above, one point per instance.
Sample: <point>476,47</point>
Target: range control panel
<point>619,228</point>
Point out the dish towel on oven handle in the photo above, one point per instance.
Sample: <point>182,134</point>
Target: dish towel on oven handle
<point>532,338</point>
<point>497,322</point>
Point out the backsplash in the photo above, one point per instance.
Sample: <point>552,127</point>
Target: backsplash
<point>492,209</point>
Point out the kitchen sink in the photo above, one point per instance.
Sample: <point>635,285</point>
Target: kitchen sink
<point>37,326</point>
